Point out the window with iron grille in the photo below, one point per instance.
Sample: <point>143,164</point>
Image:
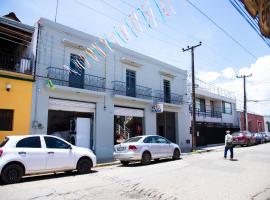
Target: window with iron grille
<point>167,91</point>
<point>6,120</point>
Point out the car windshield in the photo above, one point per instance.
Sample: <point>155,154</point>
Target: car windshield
<point>2,144</point>
<point>133,139</point>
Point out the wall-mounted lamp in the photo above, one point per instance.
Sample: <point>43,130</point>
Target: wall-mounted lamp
<point>8,87</point>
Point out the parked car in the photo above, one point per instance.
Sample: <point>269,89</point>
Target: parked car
<point>243,138</point>
<point>266,136</point>
<point>35,154</point>
<point>259,138</point>
<point>145,149</point>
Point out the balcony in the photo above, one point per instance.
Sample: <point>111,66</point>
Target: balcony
<point>12,63</point>
<point>214,89</point>
<point>120,88</point>
<point>171,98</point>
<point>63,77</point>
<point>208,114</point>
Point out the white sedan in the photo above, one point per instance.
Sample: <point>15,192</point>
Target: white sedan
<point>145,149</point>
<point>35,154</point>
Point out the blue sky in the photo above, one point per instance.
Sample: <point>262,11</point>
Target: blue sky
<point>165,42</point>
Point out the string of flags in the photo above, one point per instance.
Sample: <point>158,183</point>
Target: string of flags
<point>138,21</point>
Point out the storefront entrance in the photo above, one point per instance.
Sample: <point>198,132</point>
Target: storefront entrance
<point>72,121</point>
<point>166,125</point>
<point>128,122</point>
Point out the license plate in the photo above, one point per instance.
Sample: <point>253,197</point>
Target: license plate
<point>121,148</point>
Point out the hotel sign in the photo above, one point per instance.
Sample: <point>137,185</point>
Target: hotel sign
<point>157,108</point>
<point>260,8</point>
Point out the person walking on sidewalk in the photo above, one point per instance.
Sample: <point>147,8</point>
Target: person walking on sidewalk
<point>228,144</point>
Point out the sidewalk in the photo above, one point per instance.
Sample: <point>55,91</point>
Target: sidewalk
<point>201,149</point>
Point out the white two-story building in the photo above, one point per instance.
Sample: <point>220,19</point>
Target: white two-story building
<point>100,106</point>
<point>215,113</point>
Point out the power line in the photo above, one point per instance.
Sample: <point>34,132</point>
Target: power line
<point>224,31</point>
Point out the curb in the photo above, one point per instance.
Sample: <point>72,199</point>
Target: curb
<point>108,164</point>
<point>183,154</point>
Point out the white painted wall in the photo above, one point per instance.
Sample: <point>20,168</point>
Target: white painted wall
<point>53,52</point>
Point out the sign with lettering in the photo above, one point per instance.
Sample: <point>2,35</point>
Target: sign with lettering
<point>157,108</point>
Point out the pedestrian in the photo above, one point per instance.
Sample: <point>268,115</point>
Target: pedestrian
<point>228,144</point>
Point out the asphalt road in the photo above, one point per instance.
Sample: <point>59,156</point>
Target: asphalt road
<point>198,176</point>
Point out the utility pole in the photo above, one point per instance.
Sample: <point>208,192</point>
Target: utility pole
<point>194,134</point>
<point>56,10</point>
<point>245,99</point>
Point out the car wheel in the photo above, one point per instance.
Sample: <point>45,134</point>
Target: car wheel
<point>146,158</point>
<point>84,166</point>
<point>12,174</point>
<point>176,154</point>
<point>124,163</point>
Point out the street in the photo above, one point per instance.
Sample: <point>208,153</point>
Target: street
<point>196,176</point>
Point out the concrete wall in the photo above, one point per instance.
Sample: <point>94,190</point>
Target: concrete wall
<point>53,52</point>
<point>226,118</point>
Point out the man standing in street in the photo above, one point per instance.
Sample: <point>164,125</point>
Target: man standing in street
<point>228,144</point>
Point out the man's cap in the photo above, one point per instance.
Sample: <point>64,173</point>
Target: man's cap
<point>228,131</point>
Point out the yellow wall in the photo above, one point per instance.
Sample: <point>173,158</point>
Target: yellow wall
<point>19,98</point>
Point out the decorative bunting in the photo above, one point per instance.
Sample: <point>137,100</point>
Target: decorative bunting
<point>105,43</point>
<point>50,84</point>
<point>171,6</point>
<point>132,26</point>
<point>124,34</point>
<point>160,11</point>
<point>145,19</point>
<point>118,34</point>
<point>164,9</point>
<point>151,14</point>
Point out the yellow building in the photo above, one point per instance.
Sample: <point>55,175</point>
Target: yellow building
<point>16,76</point>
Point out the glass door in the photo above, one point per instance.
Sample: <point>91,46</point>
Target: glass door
<point>131,83</point>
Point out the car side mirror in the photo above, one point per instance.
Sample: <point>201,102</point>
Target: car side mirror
<point>69,147</point>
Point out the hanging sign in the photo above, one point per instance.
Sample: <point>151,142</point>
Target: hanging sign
<point>157,108</point>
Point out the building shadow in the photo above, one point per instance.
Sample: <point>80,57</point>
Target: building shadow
<point>49,176</point>
<point>154,162</point>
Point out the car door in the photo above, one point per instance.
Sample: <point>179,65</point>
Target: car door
<point>31,154</point>
<point>152,145</point>
<point>164,146</point>
<point>59,154</point>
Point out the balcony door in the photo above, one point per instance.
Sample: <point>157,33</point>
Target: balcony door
<point>76,78</point>
<point>167,91</point>
<point>130,83</point>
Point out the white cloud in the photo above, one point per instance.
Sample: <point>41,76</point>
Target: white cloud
<point>228,73</point>
<point>258,85</point>
<point>208,76</point>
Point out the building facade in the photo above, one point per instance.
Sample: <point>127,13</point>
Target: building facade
<point>255,123</point>
<point>113,100</point>
<point>16,76</point>
<point>215,113</point>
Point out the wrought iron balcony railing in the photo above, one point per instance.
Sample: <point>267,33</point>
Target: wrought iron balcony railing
<point>169,98</point>
<point>65,78</point>
<point>207,113</point>
<point>121,88</point>
<point>9,62</point>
